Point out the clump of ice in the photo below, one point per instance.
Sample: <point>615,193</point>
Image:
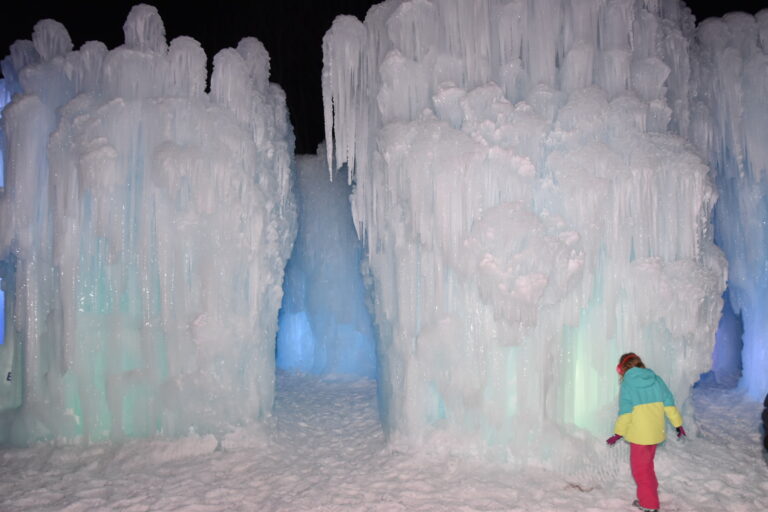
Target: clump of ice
<point>529,214</point>
<point>148,223</point>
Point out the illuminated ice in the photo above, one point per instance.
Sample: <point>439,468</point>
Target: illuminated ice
<point>325,325</point>
<point>729,123</point>
<point>528,212</point>
<point>148,223</point>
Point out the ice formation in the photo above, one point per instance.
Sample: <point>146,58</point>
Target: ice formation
<point>730,125</point>
<point>148,223</point>
<point>529,213</point>
<point>325,324</point>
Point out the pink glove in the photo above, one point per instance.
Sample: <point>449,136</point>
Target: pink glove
<point>612,440</point>
<point>680,432</point>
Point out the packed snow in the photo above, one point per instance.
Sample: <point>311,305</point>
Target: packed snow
<point>324,450</point>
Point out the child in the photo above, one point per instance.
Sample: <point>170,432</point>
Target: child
<point>644,399</point>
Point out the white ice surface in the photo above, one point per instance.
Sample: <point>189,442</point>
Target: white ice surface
<point>325,451</point>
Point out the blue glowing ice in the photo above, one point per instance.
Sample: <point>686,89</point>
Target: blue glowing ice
<point>325,326</point>
<point>730,125</point>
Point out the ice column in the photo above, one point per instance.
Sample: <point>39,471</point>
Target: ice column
<point>148,223</point>
<point>528,214</point>
<point>730,125</point>
<point>325,324</point>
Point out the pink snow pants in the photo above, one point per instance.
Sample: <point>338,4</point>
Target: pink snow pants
<point>641,461</point>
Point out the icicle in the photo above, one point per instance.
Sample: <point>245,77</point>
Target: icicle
<point>51,39</point>
<point>186,69</point>
<point>344,90</point>
<point>85,66</point>
<point>257,60</point>
<point>144,30</point>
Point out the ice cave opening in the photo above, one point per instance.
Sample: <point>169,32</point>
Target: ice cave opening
<point>324,325</point>
<point>726,357</point>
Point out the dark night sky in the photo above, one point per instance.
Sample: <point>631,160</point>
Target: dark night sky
<point>291,30</point>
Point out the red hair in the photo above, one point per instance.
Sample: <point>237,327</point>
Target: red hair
<point>628,361</point>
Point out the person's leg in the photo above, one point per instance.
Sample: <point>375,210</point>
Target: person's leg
<point>641,462</point>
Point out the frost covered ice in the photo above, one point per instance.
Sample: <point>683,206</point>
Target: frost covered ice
<point>529,213</point>
<point>148,223</point>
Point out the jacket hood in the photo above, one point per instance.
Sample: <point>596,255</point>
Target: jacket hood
<point>640,377</point>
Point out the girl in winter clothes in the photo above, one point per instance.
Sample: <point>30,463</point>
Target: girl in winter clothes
<point>644,401</point>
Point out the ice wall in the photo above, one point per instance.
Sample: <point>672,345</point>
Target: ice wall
<point>528,214</point>
<point>730,125</point>
<point>325,325</point>
<point>148,222</point>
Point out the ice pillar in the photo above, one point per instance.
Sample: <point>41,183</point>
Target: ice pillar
<point>149,223</point>
<point>527,211</point>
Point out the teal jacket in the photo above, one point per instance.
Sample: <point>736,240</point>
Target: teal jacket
<point>644,401</point>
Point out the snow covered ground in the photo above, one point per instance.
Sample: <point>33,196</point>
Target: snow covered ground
<point>325,451</point>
